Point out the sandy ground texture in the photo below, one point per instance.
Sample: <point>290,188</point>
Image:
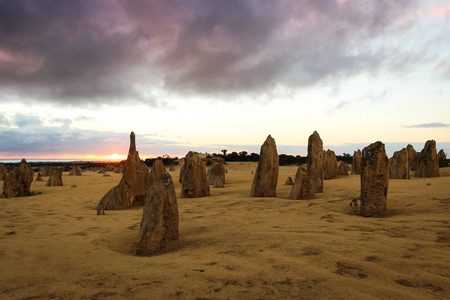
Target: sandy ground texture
<point>231,246</point>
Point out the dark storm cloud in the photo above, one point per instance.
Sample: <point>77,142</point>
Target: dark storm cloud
<point>429,125</point>
<point>100,51</point>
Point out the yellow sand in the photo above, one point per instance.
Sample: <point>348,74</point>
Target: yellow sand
<point>231,246</point>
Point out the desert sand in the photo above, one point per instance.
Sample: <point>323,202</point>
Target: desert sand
<point>231,246</point>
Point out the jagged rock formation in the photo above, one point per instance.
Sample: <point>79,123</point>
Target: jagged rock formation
<point>428,162</point>
<point>76,170</point>
<point>330,165</point>
<point>374,179</point>
<point>314,164</point>
<point>343,168</point>
<point>55,178</point>
<point>266,176</point>
<point>399,168</point>
<point>17,182</point>
<point>134,185</point>
<point>413,157</point>
<point>194,182</point>
<point>159,223</point>
<point>289,181</point>
<point>216,171</point>
<point>39,177</point>
<point>156,171</point>
<point>356,164</point>
<point>302,187</point>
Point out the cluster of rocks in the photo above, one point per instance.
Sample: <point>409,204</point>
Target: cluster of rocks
<point>160,219</point>
<point>76,171</point>
<point>425,163</point>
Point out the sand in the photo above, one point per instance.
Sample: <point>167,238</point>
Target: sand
<point>231,246</point>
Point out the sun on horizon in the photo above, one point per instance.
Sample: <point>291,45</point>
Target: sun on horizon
<point>115,156</point>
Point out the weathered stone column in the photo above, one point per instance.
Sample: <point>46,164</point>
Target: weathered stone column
<point>374,179</point>
<point>266,175</point>
<point>315,162</point>
<point>159,223</point>
<point>356,163</point>
<point>399,167</point>
<point>194,183</point>
<point>428,164</point>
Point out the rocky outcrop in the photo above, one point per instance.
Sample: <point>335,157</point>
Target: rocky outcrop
<point>374,179</point>
<point>266,175</point>
<point>330,165</point>
<point>314,164</point>
<point>55,178</point>
<point>289,181</point>
<point>302,187</point>
<point>413,157</point>
<point>156,171</point>
<point>194,182</point>
<point>39,177</point>
<point>218,183</point>
<point>399,168</point>
<point>428,162</point>
<point>356,164</point>
<point>76,170</point>
<point>442,157</point>
<point>46,170</point>
<point>159,223</point>
<point>3,171</point>
<point>343,168</point>
<point>17,182</point>
<point>217,171</point>
<point>134,185</point>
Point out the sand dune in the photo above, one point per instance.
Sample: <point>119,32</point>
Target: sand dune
<point>231,246</point>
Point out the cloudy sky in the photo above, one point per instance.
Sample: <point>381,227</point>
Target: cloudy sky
<point>76,77</point>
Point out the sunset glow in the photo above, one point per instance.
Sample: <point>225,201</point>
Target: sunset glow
<point>115,156</point>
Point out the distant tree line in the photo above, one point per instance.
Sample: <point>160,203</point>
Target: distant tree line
<point>284,159</point>
<point>166,159</point>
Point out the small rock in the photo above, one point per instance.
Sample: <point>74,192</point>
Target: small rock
<point>10,232</point>
<point>74,186</point>
<point>106,175</point>
<point>428,183</point>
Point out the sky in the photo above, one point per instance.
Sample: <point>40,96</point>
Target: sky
<point>76,77</point>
